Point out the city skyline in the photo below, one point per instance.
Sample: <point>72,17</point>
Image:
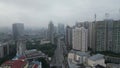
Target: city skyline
<point>38,13</point>
<point>59,34</point>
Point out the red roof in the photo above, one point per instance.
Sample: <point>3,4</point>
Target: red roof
<point>15,63</point>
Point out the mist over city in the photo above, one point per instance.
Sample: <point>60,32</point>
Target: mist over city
<point>59,33</point>
<point>38,13</point>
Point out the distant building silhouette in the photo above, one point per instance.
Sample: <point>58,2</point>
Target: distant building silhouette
<point>68,37</point>
<point>51,32</point>
<point>18,30</point>
<point>61,29</point>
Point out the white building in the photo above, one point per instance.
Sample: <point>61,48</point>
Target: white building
<point>77,57</point>
<point>21,48</point>
<point>97,59</point>
<point>80,37</point>
<point>44,41</point>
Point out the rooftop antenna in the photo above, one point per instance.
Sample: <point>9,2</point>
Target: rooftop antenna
<point>95,17</point>
<point>106,16</point>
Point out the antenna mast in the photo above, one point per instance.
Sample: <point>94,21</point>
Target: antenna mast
<point>106,16</point>
<point>95,17</point>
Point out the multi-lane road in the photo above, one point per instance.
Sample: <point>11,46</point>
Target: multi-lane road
<point>59,59</point>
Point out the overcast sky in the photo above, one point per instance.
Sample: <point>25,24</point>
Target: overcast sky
<point>38,13</point>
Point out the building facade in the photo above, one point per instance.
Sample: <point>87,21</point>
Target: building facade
<point>68,37</point>
<point>108,36</point>
<point>6,48</point>
<point>80,38</point>
<point>51,32</point>
<point>61,30</point>
<point>18,30</point>
<point>21,48</point>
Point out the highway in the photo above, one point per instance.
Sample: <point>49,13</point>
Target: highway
<point>58,60</point>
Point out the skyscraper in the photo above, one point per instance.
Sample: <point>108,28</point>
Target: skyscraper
<point>68,37</point>
<point>92,35</point>
<point>80,38</point>
<point>108,36</point>
<point>18,30</point>
<point>51,32</point>
<point>61,30</point>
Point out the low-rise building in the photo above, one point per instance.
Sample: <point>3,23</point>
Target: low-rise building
<point>112,65</point>
<point>15,64</point>
<point>112,59</point>
<point>97,59</point>
<point>44,42</point>
<point>29,54</point>
<point>77,58</point>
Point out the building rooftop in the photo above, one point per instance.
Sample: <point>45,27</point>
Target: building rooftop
<point>113,65</point>
<point>80,53</point>
<point>35,64</point>
<point>15,63</point>
<point>99,66</point>
<point>96,57</point>
<point>34,53</point>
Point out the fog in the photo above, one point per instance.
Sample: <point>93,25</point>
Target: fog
<point>38,13</point>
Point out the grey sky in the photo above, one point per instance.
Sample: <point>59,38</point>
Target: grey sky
<point>39,12</point>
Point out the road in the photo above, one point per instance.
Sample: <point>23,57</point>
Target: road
<point>58,59</point>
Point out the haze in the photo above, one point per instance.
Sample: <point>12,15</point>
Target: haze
<point>38,13</point>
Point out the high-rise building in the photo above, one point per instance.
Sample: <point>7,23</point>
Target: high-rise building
<point>43,33</point>
<point>4,49</point>
<point>82,24</point>
<point>61,29</point>
<point>68,37</point>
<point>80,38</point>
<point>18,30</point>
<point>92,36</point>
<point>91,33</point>
<point>108,36</point>
<point>51,32</point>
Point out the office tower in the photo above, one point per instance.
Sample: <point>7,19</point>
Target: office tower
<point>68,37</point>
<point>43,33</point>
<point>18,30</point>
<point>108,36</point>
<point>61,29</point>
<point>80,38</point>
<point>51,32</point>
